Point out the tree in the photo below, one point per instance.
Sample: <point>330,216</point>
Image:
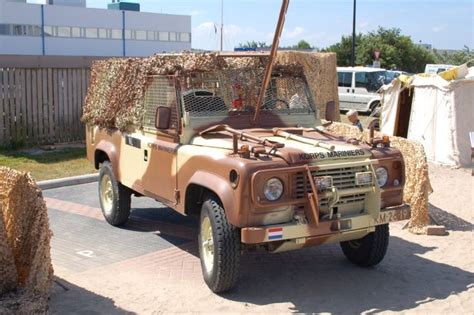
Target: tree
<point>397,51</point>
<point>302,44</point>
<point>456,58</point>
<point>254,44</point>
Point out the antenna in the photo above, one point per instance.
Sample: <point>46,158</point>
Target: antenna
<point>222,25</point>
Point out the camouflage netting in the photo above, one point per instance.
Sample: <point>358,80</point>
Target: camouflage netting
<point>117,86</point>
<point>25,262</point>
<point>417,185</point>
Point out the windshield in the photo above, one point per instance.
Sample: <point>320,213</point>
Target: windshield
<point>231,92</point>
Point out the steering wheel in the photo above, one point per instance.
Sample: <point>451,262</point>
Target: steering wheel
<point>273,104</point>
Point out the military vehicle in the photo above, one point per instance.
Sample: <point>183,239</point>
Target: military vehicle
<point>255,164</point>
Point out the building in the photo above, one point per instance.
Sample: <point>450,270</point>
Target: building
<point>69,28</point>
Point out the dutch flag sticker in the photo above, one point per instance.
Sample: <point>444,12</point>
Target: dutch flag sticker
<point>275,233</point>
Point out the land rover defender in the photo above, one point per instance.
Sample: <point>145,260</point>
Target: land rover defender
<point>278,183</point>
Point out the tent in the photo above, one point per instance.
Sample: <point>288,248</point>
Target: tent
<point>436,112</point>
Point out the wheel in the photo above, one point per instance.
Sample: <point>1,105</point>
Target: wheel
<point>115,199</point>
<point>369,250</point>
<point>219,247</point>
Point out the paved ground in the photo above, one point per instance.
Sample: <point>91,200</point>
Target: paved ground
<point>151,264</point>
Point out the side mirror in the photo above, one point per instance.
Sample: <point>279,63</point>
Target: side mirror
<point>162,118</point>
<point>330,111</point>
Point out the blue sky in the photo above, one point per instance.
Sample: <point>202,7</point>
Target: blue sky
<point>446,24</point>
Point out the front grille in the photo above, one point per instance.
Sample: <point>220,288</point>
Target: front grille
<point>343,178</point>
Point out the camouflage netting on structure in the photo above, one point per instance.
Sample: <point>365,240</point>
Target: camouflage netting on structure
<point>25,262</point>
<point>417,184</point>
<point>117,87</point>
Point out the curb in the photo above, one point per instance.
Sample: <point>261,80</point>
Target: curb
<point>68,181</point>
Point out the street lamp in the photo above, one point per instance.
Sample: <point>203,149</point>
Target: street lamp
<point>353,34</point>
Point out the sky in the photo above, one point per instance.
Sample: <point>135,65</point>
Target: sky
<point>446,24</point>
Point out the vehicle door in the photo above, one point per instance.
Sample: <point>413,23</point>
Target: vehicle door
<point>345,89</point>
<point>362,96</point>
<point>161,125</point>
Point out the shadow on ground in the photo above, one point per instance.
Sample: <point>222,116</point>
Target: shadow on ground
<point>449,220</point>
<point>67,298</point>
<point>331,284</point>
<point>322,280</point>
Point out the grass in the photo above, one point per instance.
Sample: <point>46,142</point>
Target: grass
<point>48,164</point>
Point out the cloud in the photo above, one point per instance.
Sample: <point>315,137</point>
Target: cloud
<point>296,32</point>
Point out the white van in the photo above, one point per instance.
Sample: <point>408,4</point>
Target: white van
<point>435,69</point>
<point>358,87</point>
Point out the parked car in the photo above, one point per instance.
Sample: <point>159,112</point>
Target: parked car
<point>358,87</point>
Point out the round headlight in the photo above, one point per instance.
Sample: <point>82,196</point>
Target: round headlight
<point>382,176</point>
<point>273,189</point>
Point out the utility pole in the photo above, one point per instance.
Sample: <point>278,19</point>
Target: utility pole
<point>353,35</point>
<point>222,25</point>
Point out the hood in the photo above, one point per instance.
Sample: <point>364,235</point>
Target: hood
<point>294,152</point>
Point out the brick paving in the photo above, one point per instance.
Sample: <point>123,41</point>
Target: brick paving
<point>165,249</point>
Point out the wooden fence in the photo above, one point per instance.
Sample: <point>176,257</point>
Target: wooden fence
<point>42,105</point>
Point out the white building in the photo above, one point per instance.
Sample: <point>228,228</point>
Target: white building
<point>68,28</point>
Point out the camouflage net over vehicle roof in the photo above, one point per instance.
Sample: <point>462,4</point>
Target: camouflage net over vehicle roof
<point>417,184</point>
<point>115,98</point>
<point>26,273</point>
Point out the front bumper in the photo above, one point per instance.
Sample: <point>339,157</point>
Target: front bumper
<point>345,228</point>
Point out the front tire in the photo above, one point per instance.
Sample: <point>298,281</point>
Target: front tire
<point>369,250</point>
<point>219,247</point>
<point>115,198</point>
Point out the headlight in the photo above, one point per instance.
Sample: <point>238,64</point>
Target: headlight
<point>382,176</point>
<point>364,178</point>
<point>273,189</point>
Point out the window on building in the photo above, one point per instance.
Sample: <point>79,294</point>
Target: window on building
<point>19,30</point>
<point>163,36</point>
<point>64,31</point>
<point>128,34</point>
<point>117,34</point>
<point>150,35</point>
<point>92,32</point>
<point>140,35</point>
<point>102,33</point>
<point>5,29</point>
<point>185,37</point>
<point>172,36</point>
<point>76,32</point>
<point>48,31</point>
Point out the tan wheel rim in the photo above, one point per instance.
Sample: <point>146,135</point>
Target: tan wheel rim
<point>207,244</point>
<point>106,194</point>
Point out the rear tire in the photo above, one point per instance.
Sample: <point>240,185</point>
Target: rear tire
<point>219,247</point>
<point>115,198</point>
<point>369,250</point>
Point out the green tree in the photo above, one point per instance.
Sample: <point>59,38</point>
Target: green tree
<point>302,44</point>
<point>397,51</point>
<point>456,58</point>
<point>254,44</point>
